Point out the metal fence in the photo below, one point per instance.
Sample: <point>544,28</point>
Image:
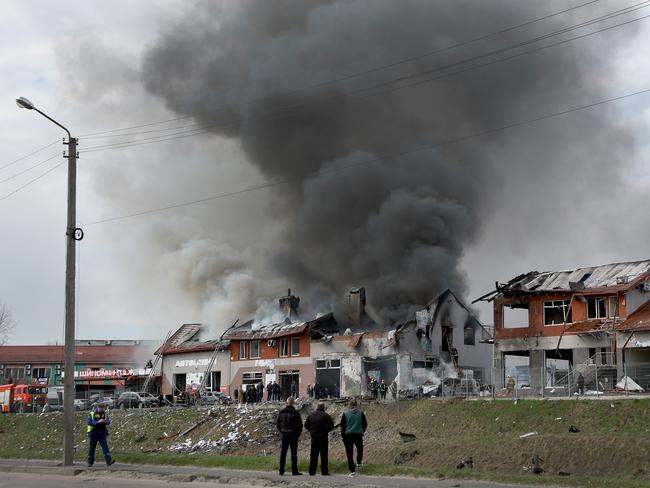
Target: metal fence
<point>592,380</point>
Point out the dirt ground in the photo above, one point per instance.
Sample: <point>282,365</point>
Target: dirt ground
<point>613,437</point>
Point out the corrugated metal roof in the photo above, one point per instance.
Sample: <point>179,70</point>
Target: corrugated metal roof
<point>197,347</point>
<point>282,329</point>
<point>184,333</point>
<point>617,275</point>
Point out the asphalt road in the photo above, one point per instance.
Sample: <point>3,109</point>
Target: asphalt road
<point>32,473</point>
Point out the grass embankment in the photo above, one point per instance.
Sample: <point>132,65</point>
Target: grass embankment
<point>612,447</point>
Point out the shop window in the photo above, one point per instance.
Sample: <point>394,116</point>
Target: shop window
<point>295,346</point>
<point>557,312</point>
<point>596,307</point>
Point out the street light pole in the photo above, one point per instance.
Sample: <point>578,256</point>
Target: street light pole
<point>72,235</point>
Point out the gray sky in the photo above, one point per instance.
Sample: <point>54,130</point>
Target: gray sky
<point>543,204</point>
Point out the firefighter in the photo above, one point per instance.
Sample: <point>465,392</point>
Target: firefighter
<point>383,387</point>
<point>98,422</point>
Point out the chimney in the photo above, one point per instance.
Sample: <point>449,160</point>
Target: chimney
<point>356,305</point>
<point>289,305</point>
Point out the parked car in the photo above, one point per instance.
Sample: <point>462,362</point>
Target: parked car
<point>215,398</point>
<point>108,402</point>
<point>132,399</point>
<point>80,404</point>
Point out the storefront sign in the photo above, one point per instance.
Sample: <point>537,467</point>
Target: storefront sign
<point>188,363</point>
<point>104,373</point>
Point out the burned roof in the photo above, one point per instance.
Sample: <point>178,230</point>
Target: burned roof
<point>614,277</point>
<point>197,346</point>
<point>639,320</point>
<point>249,331</point>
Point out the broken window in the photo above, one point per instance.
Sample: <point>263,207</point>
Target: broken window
<point>613,308</point>
<point>284,348</point>
<point>447,339</point>
<point>515,316</point>
<point>295,346</point>
<point>596,308</point>
<point>557,312</point>
<point>242,350</point>
<point>469,335</point>
<point>255,349</point>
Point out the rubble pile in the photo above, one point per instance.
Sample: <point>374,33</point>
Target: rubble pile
<point>230,429</point>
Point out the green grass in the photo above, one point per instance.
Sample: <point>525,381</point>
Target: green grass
<point>611,449</point>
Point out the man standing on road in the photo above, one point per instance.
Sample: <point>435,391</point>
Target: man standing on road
<point>290,427</point>
<point>319,424</point>
<point>97,432</point>
<point>353,426</point>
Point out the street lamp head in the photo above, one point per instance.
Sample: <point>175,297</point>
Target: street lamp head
<point>22,102</point>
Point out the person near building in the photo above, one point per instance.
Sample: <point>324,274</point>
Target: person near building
<point>290,427</point>
<point>310,391</point>
<point>269,391</point>
<point>581,384</point>
<point>294,389</point>
<point>393,389</point>
<point>510,385</point>
<point>319,424</point>
<point>276,391</point>
<point>374,388</point>
<point>382,389</point>
<point>97,431</point>
<point>353,426</point>
<point>236,395</point>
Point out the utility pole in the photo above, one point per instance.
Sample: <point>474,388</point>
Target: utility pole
<point>73,234</point>
<point>70,270</point>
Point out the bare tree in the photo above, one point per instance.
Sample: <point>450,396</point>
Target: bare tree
<point>6,323</point>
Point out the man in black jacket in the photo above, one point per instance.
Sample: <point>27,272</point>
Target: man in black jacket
<point>290,427</point>
<point>319,424</point>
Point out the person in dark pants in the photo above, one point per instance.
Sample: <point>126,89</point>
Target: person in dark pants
<point>319,424</point>
<point>290,427</point>
<point>97,432</point>
<point>581,384</point>
<point>353,426</point>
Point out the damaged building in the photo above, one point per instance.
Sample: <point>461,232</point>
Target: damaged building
<point>188,361</point>
<point>339,355</point>
<point>549,325</point>
<point>444,339</point>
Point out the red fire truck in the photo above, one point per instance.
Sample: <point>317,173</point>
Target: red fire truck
<point>22,398</point>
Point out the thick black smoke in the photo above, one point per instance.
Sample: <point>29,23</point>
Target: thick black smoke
<point>399,226</point>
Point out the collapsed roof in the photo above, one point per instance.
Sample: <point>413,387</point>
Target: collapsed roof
<point>317,327</point>
<point>608,277</point>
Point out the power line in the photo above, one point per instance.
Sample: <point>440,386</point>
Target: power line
<point>374,160</point>
<point>358,74</point>
<point>360,94</point>
<point>32,181</point>
<point>29,169</point>
<point>27,155</point>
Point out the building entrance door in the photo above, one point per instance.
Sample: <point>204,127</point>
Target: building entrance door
<point>180,383</point>
<point>328,378</point>
<point>287,378</point>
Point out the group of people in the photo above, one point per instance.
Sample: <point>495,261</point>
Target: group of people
<point>377,389</point>
<point>319,391</point>
<point>254,393</point>
<point>319,424</point>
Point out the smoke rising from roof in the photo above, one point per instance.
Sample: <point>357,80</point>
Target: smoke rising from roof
<point>400,226</point>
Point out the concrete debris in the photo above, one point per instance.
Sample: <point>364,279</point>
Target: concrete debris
<point>573,428</point>
<point>563,473</point>
<point>467,463</point>
<point>529,434</point>
<point>628,384</point>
